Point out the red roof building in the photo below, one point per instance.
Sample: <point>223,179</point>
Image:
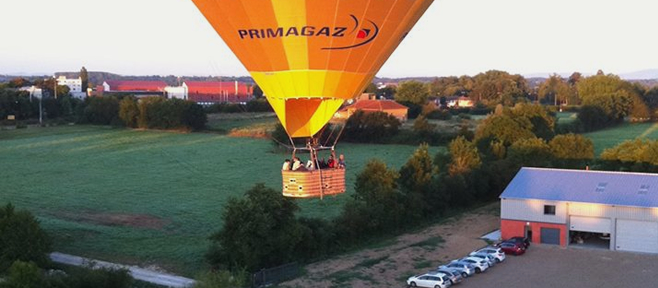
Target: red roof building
<point>388,106</point>
<point>217,92</point>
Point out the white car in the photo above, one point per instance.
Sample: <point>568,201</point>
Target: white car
<point>438,280</point>
<point>486,257</point>
<point>496,252</point>
<point>481,265</point>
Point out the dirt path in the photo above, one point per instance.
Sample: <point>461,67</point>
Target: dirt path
<point>408,255</point>
<point>142,274</point>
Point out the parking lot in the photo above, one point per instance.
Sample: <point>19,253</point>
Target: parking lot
<point>551,266</point>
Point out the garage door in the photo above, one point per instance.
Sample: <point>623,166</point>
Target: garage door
<point>637,236</point>
<point>550,236</point>
<point>589,224</point>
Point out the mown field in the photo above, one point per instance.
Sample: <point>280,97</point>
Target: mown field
<point>612,137</point>
<point>147,197</point>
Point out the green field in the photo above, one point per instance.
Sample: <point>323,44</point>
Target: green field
<point>612,137</point>
<point>147,197</point>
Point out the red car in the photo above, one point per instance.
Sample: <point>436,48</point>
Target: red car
<point>512,248</point>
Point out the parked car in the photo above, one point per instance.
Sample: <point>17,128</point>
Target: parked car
<point>464,268</point>
<point>455,277</point>
<point>512,248</point>
<point>496,252</point>
<point>480,264</point>
<point>439,280</point>
<point>521,240</point>
<point>486,257</point>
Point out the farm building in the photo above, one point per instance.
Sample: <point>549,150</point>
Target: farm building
<point>137,88</point>
<point>369,105</point>
<point>210,92</point>
<point>610,210</point>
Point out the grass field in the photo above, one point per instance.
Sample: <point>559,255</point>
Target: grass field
<point>612,137</point>
<point>147,197</point>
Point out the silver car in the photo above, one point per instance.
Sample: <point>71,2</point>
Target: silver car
<point>496,252</point>
<point>486,257</point>
<point>463,268</point>
<point>480,264</point>
<point>455,277</point>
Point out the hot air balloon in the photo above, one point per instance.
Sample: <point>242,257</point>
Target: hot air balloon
<point>308,57</point>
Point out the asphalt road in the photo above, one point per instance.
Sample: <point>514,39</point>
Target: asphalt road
<point>142,274</point>
<point>546,266</point>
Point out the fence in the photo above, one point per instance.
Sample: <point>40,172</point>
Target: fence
<point>272,276</point>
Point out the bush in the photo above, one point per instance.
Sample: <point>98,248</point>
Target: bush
<point>259,105</point>
<point>21,238</point>
<point>23,275</point>
<point>370,127</point>
<point>100,110</point>
<point>160,113</point>
<point>439,115</point>
<point>221,279</point>
<point>129,111</point>
<point>99,278</point>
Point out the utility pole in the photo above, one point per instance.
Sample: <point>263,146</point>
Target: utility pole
<point>55,84</point>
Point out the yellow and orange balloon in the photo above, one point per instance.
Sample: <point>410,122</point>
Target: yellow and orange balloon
<point>309,56</point>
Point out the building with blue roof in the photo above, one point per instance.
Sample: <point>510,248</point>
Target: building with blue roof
<point>614,210</point>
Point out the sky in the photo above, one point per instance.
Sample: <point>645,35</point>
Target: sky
<point>454,37</point>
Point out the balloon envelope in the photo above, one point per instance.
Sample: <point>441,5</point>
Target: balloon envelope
<point>309,56</point>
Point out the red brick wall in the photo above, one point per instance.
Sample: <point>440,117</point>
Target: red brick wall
<point>513,228</point>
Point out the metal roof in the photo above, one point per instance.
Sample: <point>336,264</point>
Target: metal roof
<point>586,186</point>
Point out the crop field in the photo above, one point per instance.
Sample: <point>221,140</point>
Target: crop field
<point>612,137</point>
<point>148,197</point>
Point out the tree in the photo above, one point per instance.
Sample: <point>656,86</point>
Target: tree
<point>543,124</point>
<point>84,76</point>
<point>257,91</point>
<point>608,92</point>
<point>504,129</point>
<point>572,146</point>
<point>413,92</point>
<point>415,181</point>
<point>530,152</point>
<point>556,91</point>
<point>129,111</point>
<point>377,205</point>
<point>371,88</point>
<point>260,230</point>
<point>493,87</point>
<point>21,238</point>
<point>464,156</point>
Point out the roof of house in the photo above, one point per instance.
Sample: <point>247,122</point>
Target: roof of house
<point>376,105</point>
<point>215,87</point>
<point>136,85</point>
<point>586,186</point>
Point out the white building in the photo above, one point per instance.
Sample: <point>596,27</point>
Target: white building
<point>33,90</point>
<point>179,92</point>
<point>75,86</point>
<point>609,210</point>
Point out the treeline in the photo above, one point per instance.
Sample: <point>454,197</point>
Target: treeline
<point>152,112</point>
<point>25,263</point>
<point>262,230</point>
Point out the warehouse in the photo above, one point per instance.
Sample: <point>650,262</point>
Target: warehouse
<point>611,210</point>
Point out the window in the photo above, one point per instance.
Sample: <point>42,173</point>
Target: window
<point>549,209</point>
